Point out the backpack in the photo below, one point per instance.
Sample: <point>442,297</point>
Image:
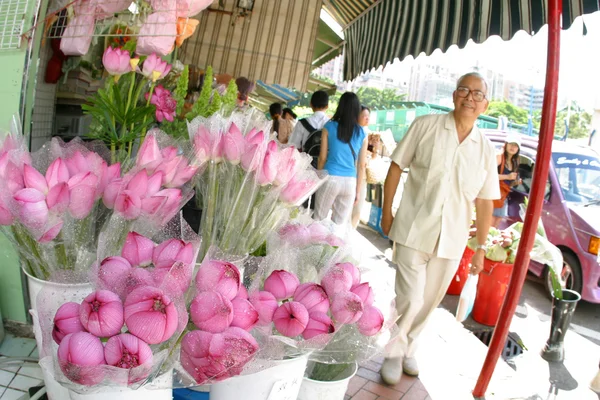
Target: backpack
<point>312,145</point>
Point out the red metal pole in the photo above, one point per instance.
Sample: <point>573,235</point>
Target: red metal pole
<point>534,208</point>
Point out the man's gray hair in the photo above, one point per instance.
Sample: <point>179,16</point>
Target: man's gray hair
<point>474,75</point>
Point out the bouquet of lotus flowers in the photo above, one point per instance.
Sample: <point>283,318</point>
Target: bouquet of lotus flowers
<point>250,183</point>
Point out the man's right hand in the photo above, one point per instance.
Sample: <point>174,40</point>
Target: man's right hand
<point>386,222</point>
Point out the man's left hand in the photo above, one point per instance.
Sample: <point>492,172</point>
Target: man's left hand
<point>477,262</point>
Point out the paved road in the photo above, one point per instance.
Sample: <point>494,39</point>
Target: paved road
<point>586,320</point>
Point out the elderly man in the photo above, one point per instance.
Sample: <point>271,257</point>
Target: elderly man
<point>451,165</point>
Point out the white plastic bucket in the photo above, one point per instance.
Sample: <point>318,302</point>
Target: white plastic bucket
<point>70,291</point>
<point>284,379</point>
<point>321,390</point>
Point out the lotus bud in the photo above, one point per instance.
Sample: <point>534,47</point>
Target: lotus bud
<point>58,198</point>
<point>129,204</point>
<point>101,313</point>
<point>194,354</point>
<point>138,250</point>
<point>211,312</point>
<point>245,315</point>
<point>57,173</point>
<point>265,304</point>
<point>353,271</point>
<point>346,308</point>
<point>33,179</point>
<point>112,272</point>
<point>66,321</point>
<point>313,297</point>
<point>365,293</point>
<point>33,210</point>
<point>111,192</point>
<point>318,232</point>
<point>150,315</point>
<point>149,153</point>
<point>290,319</point>
<point>318,324</point>
<point>282,284</point>
<point>51,233</point>
<point>242,292</point>
<point>127,351</point>
<point>337,279</point>
<point>297,234</point>
<point>171,251</point>
<point>219,276</point>
<point>79,355</point>
<point>175,280</point>
<point>371,321</point>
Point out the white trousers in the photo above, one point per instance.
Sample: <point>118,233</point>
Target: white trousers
<point>336,194</point>
<point>421,282</point>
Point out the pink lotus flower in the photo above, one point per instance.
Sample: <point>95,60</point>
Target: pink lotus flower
<point>318,324</point>
<point>57,173</point>
<point>220,276</point>
<point>164,204</point>
<point>297,234</point>
<point>66,320</point>
<point>33,211</point>
<point>296,189</point>
<point>176,172</point>
<point>253,150</point>
<point>33,179</point>
<point>52,232</point>
<point>334,241</point>
<point>282,284</point>
<point>109,174</point>
<point>150,315</point>
<point>346,308</point>
<point>318,232</point>
<point>371,321</point>
<point>171,251</point>
<point>337,279</point>
<point>194,354</point>
<point>58,198</point>
<point>208,145</point>
<point>155,68</point>
<point>164,102</point>
<point>112,272</point>
<point>233,144</point>
<point>128,204</point>
<point>268,170</point>
<point>169,153</point>
<point>116,61</point>
<point>138,250</point>
<point>6,217</point>
<point>353,271</point>
<point>77,164</point>
<point>286,167</point>
<point>233,349</point>
<point>82,189</point>
<point>128,352</point>
<point>12,176</point>
<point>175,280</point>
<point>313,297</point>
<point>265,304</point>
<point>139,183</point>
<point>365,293</point>
<point>101,313</point>
<point>211,312</point>
<point>79,355</point>
<point>149,155</point>
<point>245,315</point>
<point>111,192</point>
<point>242,292</point>
<point>290,319</point>
<point>155,183</point>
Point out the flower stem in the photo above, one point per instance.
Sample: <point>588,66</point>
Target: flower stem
<point>150,92</point>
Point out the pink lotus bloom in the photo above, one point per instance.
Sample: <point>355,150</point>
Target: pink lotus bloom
<point>253,151</point>
<point>242,292</point>
<point>109,175</point>
<point>58,198</point>
<point>346,308</point>
<point>313,297</point>
<point>208,145</point>
<point>154,66</point>
<point>334,241</point>
<point>233,144</point>
<point>211,312</point>
<point>101,313</point>
<point>149,153</point>
<point>282,284</point>
<point>150,315</point>
<point>268,170</point>
<point>353,271</point>
<point>33,211</point>
<point>365,293</point>
<point>171,251</point>
<point>164,102</point>
<point>177,172</point>
<point>6,217</point>
<point>265,304</point>
<point>128,204</point>
<point>233,349</point>
<point>164,204</point>
<point>371,321</point>
<point>220,276</point>
<point>116,61</point>
<point>79,355</point>
<point>13,177</point>
<point>286,167</point>
<point>66,320</point>
<point>127,351</point>
<point>33,179</point>
<point>297,234</point>
<point>138,250</point>
<point>194,354</point>
<point>52,232</point>
<point>337,279</point>
<point>77,164</point>
<point>155,183</point>
<point>175,280</point>
<point>318,324</point>
<point>139,183</point>
<point>169,153</point>
<point>245,315</point>
<point>82,189</point>
<point>112,273</point>
<point>110,193</point>
<point>290,319</point>
<point>296,189</point>
<point>318,232</point>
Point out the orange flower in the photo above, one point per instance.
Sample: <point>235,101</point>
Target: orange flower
<point>185,29</point>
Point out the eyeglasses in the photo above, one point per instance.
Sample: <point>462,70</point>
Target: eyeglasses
<point>463,92</point>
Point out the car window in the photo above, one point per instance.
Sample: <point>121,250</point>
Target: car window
<point>579,176</point>
<point>526,169</point>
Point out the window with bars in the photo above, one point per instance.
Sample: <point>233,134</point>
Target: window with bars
<point>12,20</point>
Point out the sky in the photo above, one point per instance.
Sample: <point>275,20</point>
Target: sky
<point>523,59</point>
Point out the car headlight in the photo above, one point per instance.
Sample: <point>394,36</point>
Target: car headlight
<point>594,245</point>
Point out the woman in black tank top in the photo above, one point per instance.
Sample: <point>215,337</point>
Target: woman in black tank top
<point>508,171</point>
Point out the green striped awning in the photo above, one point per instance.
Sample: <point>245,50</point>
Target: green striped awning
<point>398,28</point>
<point>346,11</point>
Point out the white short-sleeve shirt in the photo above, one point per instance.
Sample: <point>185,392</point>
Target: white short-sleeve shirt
<point>444,179</point>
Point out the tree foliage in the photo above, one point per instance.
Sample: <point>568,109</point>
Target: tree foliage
<point>516,115</point>
<point>379,99</point>
<point>579,122</point>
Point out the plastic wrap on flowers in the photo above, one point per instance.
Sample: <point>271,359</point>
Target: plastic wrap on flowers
<point>250,183</point>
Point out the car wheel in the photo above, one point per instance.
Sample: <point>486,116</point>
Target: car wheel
<point>570,277</point>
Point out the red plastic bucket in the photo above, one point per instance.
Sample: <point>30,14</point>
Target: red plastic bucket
<point>491,288</point>
<point>462,273</point>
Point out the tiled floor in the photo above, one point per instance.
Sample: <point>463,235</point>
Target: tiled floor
<point>14,381</point>
<point>367,385</point>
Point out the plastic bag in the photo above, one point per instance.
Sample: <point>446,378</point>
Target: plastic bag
<point>467,298</point>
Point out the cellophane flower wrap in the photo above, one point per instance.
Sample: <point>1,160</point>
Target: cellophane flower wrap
<point>51,204</point>
<point>250,183</point>
<point>126,332</point>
